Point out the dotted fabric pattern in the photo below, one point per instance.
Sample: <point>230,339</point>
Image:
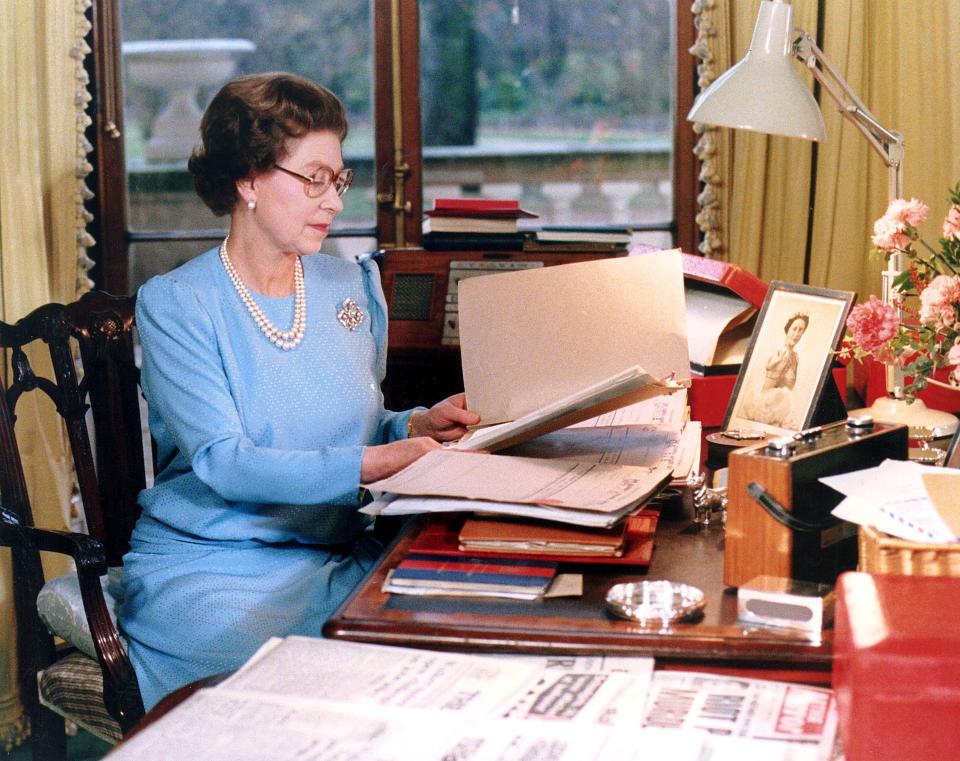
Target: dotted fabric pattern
<point>251,529</point>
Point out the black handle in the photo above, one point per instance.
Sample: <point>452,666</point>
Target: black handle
<point>763,498</point>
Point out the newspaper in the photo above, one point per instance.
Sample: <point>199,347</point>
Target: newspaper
<point>780,718</point>
<point>328,700</point>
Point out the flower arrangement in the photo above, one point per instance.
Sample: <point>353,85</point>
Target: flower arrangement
<point>918,339</point>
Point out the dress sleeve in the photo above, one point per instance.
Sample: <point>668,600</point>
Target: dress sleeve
<point>185,384</point>
<point>392,425</point>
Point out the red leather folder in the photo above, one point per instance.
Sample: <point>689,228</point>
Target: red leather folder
<point>896,669</point>
<point>743,283</point>
<point>441,536</point>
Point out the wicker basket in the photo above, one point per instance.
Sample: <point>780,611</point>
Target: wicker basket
<point>882,553</point>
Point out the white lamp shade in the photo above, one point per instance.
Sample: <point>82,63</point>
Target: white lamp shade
<point>764,92</point>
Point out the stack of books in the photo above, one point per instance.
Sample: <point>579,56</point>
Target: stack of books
<point>466,224</point>
<point>422,573</point>
<point>558,239</point>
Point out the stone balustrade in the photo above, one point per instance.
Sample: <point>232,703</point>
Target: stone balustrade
<point>590,185</point>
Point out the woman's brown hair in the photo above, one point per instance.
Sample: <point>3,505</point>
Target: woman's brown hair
<point>246,125</point>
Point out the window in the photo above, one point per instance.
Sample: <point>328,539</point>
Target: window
<point>566,104</point>
<point>573,109</point>
<point>169,73</point>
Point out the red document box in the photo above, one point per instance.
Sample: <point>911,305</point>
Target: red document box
<point>896,670</point>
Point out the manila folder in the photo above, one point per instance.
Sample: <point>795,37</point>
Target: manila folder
<point>532,337</point>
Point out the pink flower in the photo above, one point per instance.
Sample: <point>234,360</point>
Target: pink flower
<point>939,301</point>
<point>913,212</point>
<point>873,323</point>
<point>890,235</point>
<point>953,358</point>
<point>951,225</point>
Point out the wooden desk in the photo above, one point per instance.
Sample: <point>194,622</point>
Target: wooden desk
<point>576,626</point>
<point>580,625</point>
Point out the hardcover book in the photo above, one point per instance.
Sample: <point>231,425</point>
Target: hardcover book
<point>582,235</point>
<point>466,574</point>
<point>476,204</point>
<point>474,241</point>
<point>469,225</point>
<point>468,214</point>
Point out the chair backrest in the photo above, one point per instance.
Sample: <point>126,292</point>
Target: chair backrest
<point>91,350</point>
<point>111,472</point>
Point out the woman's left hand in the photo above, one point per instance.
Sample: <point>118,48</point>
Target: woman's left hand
<point>444,421</point>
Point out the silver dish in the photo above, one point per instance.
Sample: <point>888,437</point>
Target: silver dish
<point>655,603</point>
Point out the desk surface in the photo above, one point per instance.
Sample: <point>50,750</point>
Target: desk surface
<point>580,625</point>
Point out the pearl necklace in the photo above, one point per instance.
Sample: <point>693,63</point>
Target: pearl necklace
<point>282,339</point>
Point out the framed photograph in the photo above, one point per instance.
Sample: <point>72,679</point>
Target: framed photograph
<point>952,459</point>
<point>788,360</point>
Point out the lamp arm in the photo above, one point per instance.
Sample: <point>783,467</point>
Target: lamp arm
<point>886,142</point>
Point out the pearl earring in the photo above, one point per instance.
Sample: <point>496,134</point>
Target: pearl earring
<point>251,204</point>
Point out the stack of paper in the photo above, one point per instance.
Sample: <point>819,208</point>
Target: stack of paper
<point>600,346</point>
<point>893,498</point>
<point>583,493</point>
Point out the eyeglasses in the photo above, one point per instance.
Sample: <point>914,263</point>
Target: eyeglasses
<point>317,185</point>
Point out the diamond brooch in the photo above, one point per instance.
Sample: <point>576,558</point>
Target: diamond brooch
<point>350,315</point>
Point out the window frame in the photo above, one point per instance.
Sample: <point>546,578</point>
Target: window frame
<point>397,142</point>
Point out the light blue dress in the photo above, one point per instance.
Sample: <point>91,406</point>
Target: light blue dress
<point>251,529</point>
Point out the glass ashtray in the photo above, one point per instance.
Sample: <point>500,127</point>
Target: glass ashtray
<point>655,603</point>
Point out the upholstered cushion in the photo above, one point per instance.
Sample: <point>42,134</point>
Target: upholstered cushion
<point>61,607</point>
<point>73,688</point>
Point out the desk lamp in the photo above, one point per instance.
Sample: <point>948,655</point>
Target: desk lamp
<point>765,93</point>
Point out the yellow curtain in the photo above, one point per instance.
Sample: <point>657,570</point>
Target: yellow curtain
<point>902,60</point>
<point>767,178</point>
<point>42,243</point>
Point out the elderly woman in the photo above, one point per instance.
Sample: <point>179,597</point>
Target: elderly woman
<point>262,364</point>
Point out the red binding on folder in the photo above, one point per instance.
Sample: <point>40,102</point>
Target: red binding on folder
<point>743,283</point>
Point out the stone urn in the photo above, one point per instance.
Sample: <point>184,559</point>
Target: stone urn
<point>180,68</point>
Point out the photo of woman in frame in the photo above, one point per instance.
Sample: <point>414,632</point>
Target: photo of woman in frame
<point>789,358</point>
<point>772,401</point>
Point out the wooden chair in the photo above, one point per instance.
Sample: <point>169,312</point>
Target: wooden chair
<point>100,694</point>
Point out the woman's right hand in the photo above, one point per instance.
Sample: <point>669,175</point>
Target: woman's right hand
<point>778,357</point>
<point>386,459</point>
